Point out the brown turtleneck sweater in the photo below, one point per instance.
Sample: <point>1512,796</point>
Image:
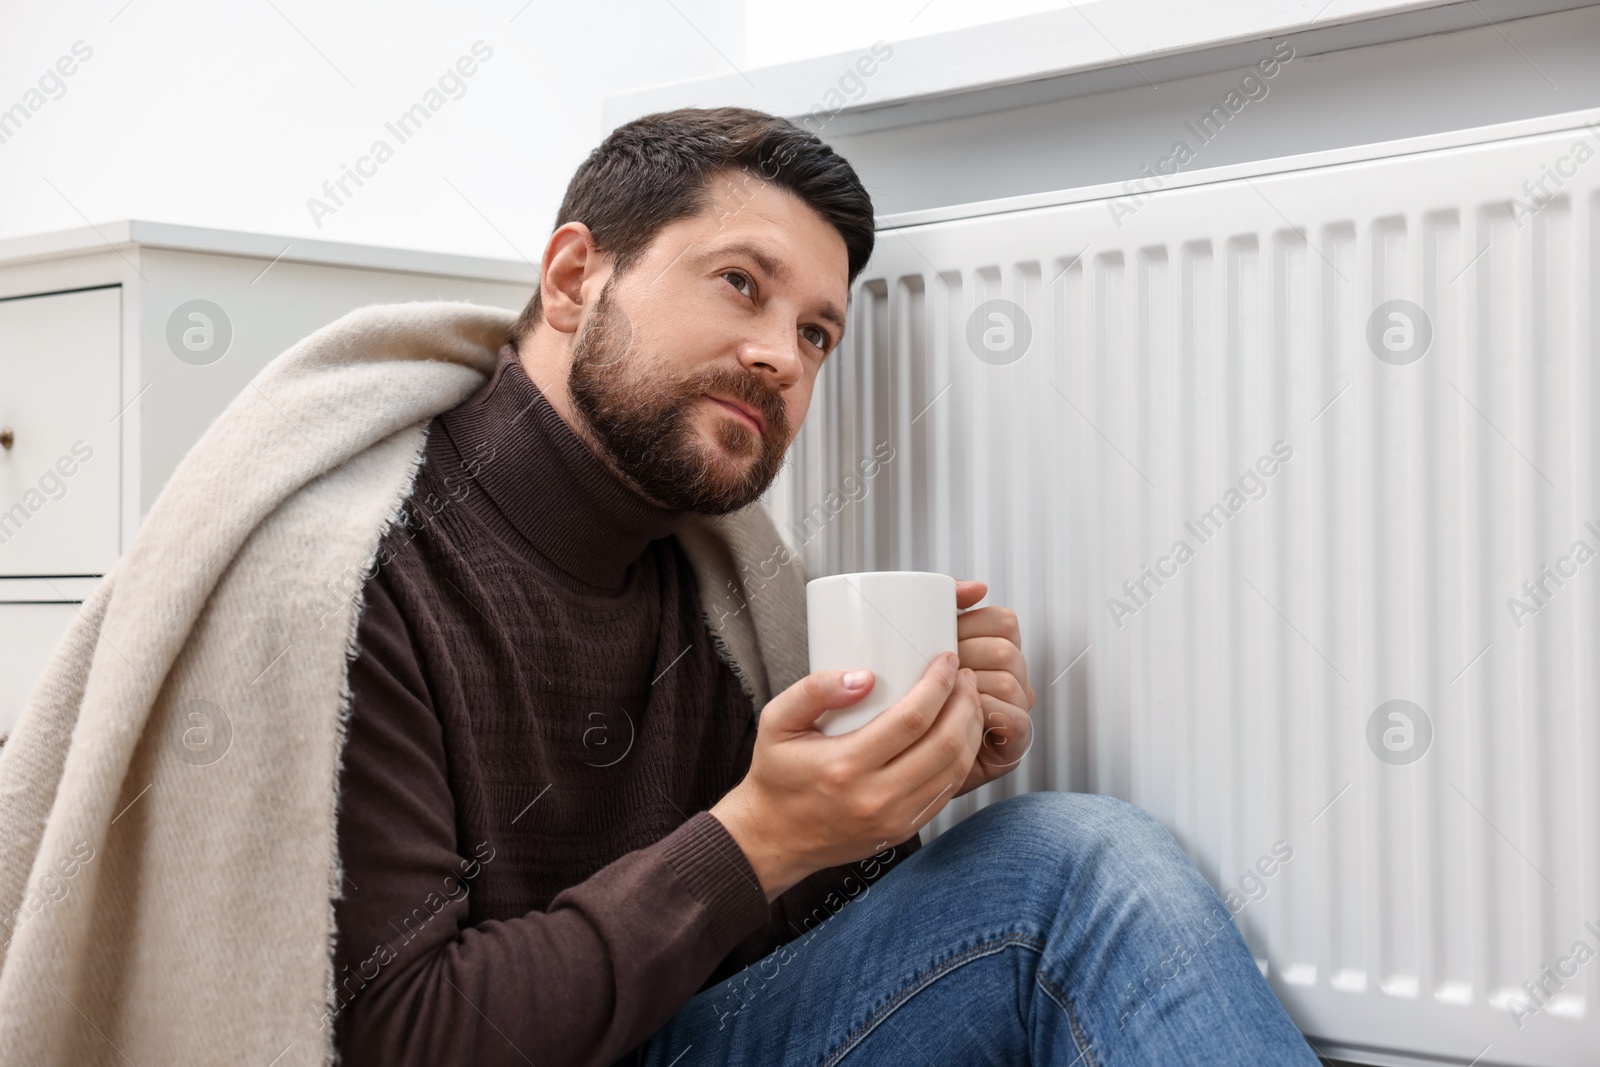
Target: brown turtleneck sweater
<point>539,721</point>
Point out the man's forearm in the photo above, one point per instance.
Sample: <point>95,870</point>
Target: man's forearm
<point>579,983</point>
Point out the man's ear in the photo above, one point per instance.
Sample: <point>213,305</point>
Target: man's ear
<point>570,258</point>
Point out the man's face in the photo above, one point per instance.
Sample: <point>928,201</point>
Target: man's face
<point>743,302</point>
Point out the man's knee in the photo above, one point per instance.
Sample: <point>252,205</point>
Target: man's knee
<point>1110,840</point>
<point>1080,820</point>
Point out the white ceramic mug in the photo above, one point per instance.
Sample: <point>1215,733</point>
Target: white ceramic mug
<point>893,623</point>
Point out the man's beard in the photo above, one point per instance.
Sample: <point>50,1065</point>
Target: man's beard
<point>644,422</point>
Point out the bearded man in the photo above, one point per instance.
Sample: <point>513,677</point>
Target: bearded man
<point>567,836</point>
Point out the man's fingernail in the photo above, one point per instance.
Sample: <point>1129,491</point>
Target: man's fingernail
<point>855,679</point>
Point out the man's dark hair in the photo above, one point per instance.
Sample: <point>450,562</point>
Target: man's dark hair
<point>657,169</point>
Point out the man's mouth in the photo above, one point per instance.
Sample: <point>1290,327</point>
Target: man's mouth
<point>747,414</point>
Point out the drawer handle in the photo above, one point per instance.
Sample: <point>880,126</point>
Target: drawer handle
<point>7,437</point>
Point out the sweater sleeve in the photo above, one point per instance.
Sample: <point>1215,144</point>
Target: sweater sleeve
<point>581,983</point>
<point>807,904</point>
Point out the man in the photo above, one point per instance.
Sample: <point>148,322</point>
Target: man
<point>564,837</point>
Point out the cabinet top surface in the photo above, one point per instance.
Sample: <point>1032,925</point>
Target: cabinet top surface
<point>138,233</point>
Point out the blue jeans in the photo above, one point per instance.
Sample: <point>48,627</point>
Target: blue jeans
<point>1048,928</point>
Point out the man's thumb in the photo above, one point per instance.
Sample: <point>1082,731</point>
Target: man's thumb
<point>800,705</point>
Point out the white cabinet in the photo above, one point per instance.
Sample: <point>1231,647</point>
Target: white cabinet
<point>118,346</point>
<point>59,362</point>
<point>28,633</point>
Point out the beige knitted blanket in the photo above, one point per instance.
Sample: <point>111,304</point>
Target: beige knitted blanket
<point>168,862</point>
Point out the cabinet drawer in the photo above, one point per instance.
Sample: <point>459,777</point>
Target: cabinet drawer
<point>28,634</point>
<point>60,397</point>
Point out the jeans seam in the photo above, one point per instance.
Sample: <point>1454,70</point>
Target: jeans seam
<point>986,948</point>
<point>1064,1002</point>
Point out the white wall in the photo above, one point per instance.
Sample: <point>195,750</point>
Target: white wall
<point>783,33</point>
<point>233,115</point>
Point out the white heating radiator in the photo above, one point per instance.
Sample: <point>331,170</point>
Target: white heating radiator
<point>1380,504</point>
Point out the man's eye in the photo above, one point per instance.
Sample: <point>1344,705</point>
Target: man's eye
<point>821,337</point>
<point>741,275</point>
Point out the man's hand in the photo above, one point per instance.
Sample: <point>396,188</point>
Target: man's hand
<point>989,641</point>
<point>811,801</point>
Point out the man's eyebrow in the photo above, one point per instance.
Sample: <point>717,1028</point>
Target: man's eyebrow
<point>774,269</point>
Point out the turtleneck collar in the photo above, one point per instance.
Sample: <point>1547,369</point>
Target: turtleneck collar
<point>541,487</point>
